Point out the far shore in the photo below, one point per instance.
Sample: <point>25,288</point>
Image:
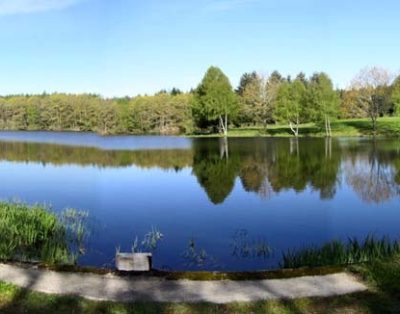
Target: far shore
<point>387,127</point>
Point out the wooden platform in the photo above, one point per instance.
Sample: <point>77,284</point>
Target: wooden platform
<point>133,261</point>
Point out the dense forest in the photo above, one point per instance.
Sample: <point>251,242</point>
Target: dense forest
<point>212,106</point>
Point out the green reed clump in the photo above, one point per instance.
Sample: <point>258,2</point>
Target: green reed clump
<point>34,233</point>
<point>342,253</point>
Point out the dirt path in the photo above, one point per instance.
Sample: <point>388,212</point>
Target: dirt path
<point>122,289</point>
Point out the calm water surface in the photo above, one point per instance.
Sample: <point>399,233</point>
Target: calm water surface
<point>218,203</point>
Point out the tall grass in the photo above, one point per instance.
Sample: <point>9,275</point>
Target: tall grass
<point>34,233</point>
<point>342,253</point>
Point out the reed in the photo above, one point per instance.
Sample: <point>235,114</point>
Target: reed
<point>342,253</point>
<point>149,243</point>
<point>36,234</point>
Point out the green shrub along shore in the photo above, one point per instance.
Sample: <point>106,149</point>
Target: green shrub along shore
<point>36,233</point>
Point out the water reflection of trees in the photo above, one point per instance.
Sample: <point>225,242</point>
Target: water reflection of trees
<point>314,163</point>
<point>263,166</point>
<point>90,156</point>
<point>215,169</point>
<point>373,173</point>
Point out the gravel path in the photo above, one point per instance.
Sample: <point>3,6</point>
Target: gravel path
<point>124,289</point>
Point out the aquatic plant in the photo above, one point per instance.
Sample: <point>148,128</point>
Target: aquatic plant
<point>36,234</point>
<point>75,222</point>
<point>197,257</point>
<point>245,247</point>
<point>342,253</point>
<point>150,241</point>
<point>152,238</point>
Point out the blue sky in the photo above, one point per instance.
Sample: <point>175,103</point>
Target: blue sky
<point>123,47</point>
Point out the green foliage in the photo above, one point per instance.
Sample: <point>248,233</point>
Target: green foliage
<point>342,253</point>
<point>395,97</point>
<point>290,104</point>
<point>214,98</point>
<point>322,99</point>
<point>257,97</point>
<point>36,234</point>
<point>245,80</point>
<point>163,113</point>
<point>258,101</point>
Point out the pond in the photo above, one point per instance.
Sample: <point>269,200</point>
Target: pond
<point>235,204</point>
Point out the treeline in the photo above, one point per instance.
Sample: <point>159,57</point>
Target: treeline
<point>270,99</point>
<point>163,113</point>
<point>212,106</point>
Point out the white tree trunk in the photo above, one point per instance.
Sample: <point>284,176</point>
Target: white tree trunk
<point>329,127</point>
<point>295,129</point>
<point>224,124</point>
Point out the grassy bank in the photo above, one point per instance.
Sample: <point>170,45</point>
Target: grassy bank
<point>386,127</point>
<point>383,297</point>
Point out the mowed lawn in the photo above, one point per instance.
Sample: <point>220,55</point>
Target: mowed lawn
<point>383,278</point>
<point>387,126</point>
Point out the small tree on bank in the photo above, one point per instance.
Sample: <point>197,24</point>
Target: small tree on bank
<point>323,101</point>
<point>371,85</point>
<point>395,97</point>
<point>257,100</point>
<point>290,104</point>
<point>214,99</point>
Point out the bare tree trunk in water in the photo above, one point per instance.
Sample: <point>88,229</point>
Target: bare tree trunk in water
<point>223,148</point>
<point>328,147</point>
<point>294,145</point>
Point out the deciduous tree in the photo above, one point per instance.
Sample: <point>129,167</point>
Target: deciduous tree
<point>214,98</point>
<point>290,104</point>
<point>323,101</point>
<point>371,83</point>
<point>395,97</point>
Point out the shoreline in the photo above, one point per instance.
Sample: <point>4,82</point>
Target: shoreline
<point>286,273</point>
